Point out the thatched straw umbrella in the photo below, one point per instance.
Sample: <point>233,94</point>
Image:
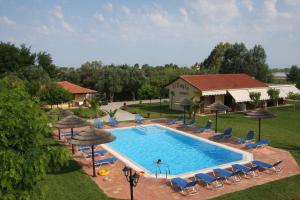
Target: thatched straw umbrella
<point>218,107</point>
<point>259,114</point>
<point>185,103</point>
<point>71,122</point>
<point>90,137</point>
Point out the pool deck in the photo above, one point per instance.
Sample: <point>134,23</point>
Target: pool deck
<point>116,186</point>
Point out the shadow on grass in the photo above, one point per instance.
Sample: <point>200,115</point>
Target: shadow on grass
<point>71,167</point>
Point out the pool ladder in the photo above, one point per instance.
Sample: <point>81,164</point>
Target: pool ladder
<point>158,169</point>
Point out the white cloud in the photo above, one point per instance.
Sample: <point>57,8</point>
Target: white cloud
<point>125,10</point>
<point>6,21</point>
<point>216,10</point>
<point>108,6</point>
<point>57,13</point>
<point>99,17</point>
<point>183,12</point>
<point>43,29</point>
<point>270,8</point>
<point>159,19</point>
<point>248,4</point>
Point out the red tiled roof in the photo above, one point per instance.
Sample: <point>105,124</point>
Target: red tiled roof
<point>75,89</point>
<point>222,81</point>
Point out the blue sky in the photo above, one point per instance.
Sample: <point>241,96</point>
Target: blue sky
<point>152,32</point>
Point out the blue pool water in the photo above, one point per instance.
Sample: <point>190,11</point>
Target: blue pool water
<point>144,145</point>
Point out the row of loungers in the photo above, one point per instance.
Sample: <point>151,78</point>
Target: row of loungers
<point>222,175</point>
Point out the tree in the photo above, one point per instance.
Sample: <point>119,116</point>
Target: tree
<point>294,75</point>
<point>52,94</point>
<point>255,97</point>
<point>197,105</point>
<point>215,58</point>
<point>172,94</point>
<point>147,92</point>
<point>95,105</point>
<point>45,61</point>
<point>25,157</point>
<point>274,95</point>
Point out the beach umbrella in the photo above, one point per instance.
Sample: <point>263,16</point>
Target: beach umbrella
<point>218,107</point>
<point>259,114</point>
<point>64,113</point>
<point>71,121</point>
<point>185,103</point>
<point>90,137</point>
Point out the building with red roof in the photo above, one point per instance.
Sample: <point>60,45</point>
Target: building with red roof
<point>230,89</point>
<point>80,93</point>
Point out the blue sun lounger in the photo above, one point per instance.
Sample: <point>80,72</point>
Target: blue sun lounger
<point>207,127</point>
<point>175,121</point>
<point>249,137</point>
<point>138,119</point>
<point>191,123</point>
<point>258,144</point>
<point>209,180</point>
<point>227,134</point>
<point>225,174</point>
<point>246,170</point>
<point>98,123</point>
<point>68,133</point>
<point>96,153</point>
<point>113,121</point>
<point>80,148</point>
<point>184,186</point>
<point>111,160</point>
<point>267,166</point>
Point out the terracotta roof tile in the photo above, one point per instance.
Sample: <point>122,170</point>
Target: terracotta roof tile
<point>75,89</point>
<point>222,81</point>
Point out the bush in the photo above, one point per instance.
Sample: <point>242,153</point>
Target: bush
<point>294,96</point>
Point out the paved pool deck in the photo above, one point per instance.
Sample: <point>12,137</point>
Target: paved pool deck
<point>115,185</point>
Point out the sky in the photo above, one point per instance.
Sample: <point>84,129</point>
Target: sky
<point>153,32</point>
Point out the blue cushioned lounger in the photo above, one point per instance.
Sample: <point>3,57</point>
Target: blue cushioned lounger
<point>175,121</point>
<point>228,174</point>
<point>113,121</point>
<point>106,161</point>
<point>184,186</point>
<point>138,119</point>
<point>267,166</point>
<point>207,127</point>
<point>191,123</point>
<point>249,137</point>
<point>246,170</point>
<point>97,152</point>
<point>209,180</point>
<point>227,134</point>
<point>258,144</point>
<point>98,123</point>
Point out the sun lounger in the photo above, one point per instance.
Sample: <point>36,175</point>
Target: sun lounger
<point>267,166</point>
<point>227,134</point>
<point>98,123</point>
<point>96,153</point>
<point>68,133</point>
<point>258,144</point>
<point>175,121</point>
<point>184,186</point>
<point>113,121</point>
<point>249,138</point>
<point>246,170</point>
<point>207,127</point>
<point>191,123</point>
<point>138,119</point>
<point>225,174</point>
<point>209,180</point>
<point>80,148</point>
<point>111,160</point>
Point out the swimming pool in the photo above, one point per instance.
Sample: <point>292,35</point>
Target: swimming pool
<point>185,154</point>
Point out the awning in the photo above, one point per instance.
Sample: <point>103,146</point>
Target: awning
<point>213,92</point>
<point>263,91</point>
<point>240,95</point>
<point>285,90</point>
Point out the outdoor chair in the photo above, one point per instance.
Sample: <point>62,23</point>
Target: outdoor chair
<point>227,134</point>
<point>111,160</point>
<point>267,166</point>
<point>207,127</point>
<point>190,124</point>
<point>185,187</point>
<point>209,180</point>
<point>246,170</point>
<point>225,174</point>
<point>249,138</point>
<point>258,144</point>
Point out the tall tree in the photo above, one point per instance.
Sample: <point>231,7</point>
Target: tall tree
<point>274,95</point>
<point>25,156</point>
<point>294,75</point>
<point>44,60</point>
<point>255,97</point>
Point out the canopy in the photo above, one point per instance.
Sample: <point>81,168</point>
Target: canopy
<point>218,107</point>
<point>213,92</point>
<point>71,121</point>
<point>90,137</point>
<point>240,95</point>
<point>263,91</point>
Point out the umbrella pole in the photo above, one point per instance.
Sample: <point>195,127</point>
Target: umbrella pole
<point>72,144</point>
<point>216,128</point>
<point>59,133</point>
<point>184,114</point>
<point>259,125</point>
<point>93,160</point>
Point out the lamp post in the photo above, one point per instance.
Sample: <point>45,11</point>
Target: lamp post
<point>133,179</point>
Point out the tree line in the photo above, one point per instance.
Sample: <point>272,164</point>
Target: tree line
<point>131,82</point>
